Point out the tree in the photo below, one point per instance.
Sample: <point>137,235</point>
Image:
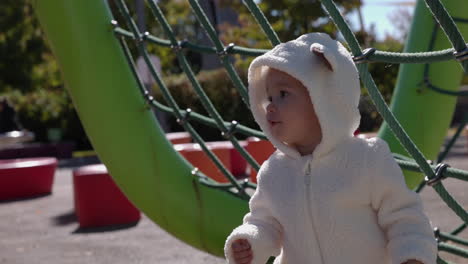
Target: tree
<point>183,23</point>
<point>289,19</point>
<point>401,20</point>
<point>27,63</point>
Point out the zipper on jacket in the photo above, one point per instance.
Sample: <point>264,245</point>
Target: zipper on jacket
<point>307,181</point>
<point>307,174</point>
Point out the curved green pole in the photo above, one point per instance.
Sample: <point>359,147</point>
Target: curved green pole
<point>124,132</point>
<point>423,113</point>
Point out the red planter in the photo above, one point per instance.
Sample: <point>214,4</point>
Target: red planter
<point>260,150</point>
<point>98,200</point>
<point>224,150</point>
<point>29,177</point>
<point>179,137</point>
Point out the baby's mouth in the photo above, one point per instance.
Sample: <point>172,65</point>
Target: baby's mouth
<point>273,123</point>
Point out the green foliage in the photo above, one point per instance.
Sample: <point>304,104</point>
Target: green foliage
<point>225,98</point>
<point>26,63</point>
<point>31,79</point>
<point>183,23</point>
<point>385,76</point>
<point>42,109</point>
<point>289,19</point>
<point>219,88</point>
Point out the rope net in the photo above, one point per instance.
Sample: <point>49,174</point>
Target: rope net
<point>435,173</point>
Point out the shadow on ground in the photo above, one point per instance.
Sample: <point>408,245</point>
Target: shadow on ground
<point>65,219</point>
<point>101,229</point>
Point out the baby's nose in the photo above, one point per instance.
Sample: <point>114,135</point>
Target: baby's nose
<point>270,108</point>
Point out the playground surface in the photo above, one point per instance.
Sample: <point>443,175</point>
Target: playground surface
<point>45,230</point>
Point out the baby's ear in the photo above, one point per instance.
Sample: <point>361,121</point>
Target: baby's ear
<point>324,55</point>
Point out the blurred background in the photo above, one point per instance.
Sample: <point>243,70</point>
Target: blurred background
<point>32,89</point>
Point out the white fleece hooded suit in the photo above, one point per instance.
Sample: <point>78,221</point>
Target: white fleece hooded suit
<point>347,202</point>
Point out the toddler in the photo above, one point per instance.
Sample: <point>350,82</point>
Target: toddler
<point>324,196</point>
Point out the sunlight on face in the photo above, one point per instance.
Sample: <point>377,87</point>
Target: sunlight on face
<point>290,113</point>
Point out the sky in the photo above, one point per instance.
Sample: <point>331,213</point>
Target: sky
<point>377,12</point>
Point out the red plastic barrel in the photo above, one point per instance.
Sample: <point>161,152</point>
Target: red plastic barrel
<point>260,150</point>
<point>98,200</point>
<point>29,177</point>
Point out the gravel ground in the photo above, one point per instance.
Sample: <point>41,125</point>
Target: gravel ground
<point>44,229</point>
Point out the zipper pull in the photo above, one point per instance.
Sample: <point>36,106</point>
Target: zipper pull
<point>307,175</point>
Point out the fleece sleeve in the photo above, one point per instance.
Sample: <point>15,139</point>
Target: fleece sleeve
<point>260,228</point>
<point>399,211</point>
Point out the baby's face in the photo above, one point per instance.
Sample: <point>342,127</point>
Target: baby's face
<point>290,113</point>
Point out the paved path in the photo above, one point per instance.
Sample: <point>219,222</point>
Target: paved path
<point>44,230</point>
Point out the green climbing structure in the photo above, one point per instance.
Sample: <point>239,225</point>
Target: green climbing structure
<point>115,109</point>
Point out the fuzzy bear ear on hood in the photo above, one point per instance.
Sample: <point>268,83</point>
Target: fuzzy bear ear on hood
<point>324,55</point>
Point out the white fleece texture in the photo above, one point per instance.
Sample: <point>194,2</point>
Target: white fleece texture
<point>262,231</point>
<point>354,206</point>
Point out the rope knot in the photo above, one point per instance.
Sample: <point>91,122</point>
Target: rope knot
<point>185,117</point>
<point>231,130</point>
<point>179,46</point>
<point>144,36</point>
<point>461,55</point>
<point>114,23</point>
<point>364,57</point>
<point>439,171</point>
<point>226,50</point>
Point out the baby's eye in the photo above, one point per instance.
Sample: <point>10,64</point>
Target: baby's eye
<point>283,94</point>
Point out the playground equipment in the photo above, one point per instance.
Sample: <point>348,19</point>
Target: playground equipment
<point>165,186</point>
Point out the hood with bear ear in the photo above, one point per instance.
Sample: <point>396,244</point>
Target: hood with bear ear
<point>328,72</point>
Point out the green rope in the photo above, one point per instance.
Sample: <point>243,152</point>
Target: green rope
<point>221,50</point>
<point>262,21</point>
<point>178,113</point>
<point>446,236</point>
<point>459,229</point>
<point>449,172</point>
<point>420,186</point>
<point>124,10</point>
<point>426,80</point>
<point>459,19</point>
<point>443,91</point>
<point>377,56</point>
<point>412,57</point>
<point>448,25</point>
<point>200,92</point>
<point>453,249</point>
<point>441,261</point>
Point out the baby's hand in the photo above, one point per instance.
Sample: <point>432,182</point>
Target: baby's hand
<point>242,252</point>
